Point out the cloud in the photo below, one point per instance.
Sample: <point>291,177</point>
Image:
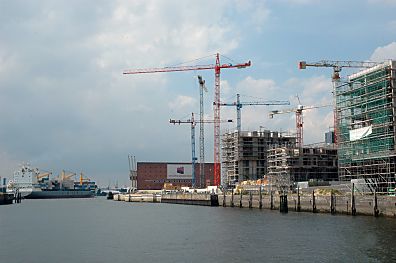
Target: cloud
<point>384,53</point>
<point>182,103</point>
<point>314,91</point>
<point>263,88</point>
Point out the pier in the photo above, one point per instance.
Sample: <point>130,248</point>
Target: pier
<point>369,205</point>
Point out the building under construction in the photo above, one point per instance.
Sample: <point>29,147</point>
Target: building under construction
<point>288,165</point>
<point>244,154</point>
<point>366,127</point>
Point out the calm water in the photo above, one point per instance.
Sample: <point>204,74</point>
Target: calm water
<point>98,230</point>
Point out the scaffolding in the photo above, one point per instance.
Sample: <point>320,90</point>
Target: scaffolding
<point>244,154</point>
<point>288,165</point>
<point>366,121</point>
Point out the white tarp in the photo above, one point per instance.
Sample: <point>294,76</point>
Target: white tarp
<point>360,133</point>
<point>179,171</point>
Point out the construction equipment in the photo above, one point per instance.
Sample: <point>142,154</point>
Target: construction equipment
<point>65,176</point>
<point>202,88</point>
<point>42,175</point>
<point>337,66</point>
<point>238,104</point>
<point>132,172</point>
<point>193,122</point>
<point>299,119</point>
<point>217,68</point>
<point>82,179</point>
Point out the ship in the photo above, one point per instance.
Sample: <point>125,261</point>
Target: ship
<point>62,187</point>
<point>33,184</point>
<point>22,181</point>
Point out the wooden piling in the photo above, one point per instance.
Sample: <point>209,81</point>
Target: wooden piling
<point>272,200</point>
<point>283,206</point>
<point>298,200</point>
<point>313,202</point>
<point>250,200</point>
<point>260,199</point>
<point>353,205</point>
<point>376,211</point>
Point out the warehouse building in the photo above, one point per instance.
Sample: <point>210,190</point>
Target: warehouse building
<point>153,175</point>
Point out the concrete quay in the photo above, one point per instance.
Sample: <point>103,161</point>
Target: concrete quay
<point>171,198</point>
<point>370,205</point>
<point>333,204</point>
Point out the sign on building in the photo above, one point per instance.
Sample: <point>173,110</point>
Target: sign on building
<point>179,171</point>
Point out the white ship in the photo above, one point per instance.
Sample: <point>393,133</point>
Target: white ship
<point>22,181</point>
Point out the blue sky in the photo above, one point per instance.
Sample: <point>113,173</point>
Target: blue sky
<point>64,103</point>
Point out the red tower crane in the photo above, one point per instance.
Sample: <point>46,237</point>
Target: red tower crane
<point>299,120</point>
<point>217,68</point>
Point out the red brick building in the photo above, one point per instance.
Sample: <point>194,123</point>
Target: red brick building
<point>153,175</point>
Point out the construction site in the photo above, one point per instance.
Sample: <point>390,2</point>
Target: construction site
<point>366,131</point>
<point>360,147</point>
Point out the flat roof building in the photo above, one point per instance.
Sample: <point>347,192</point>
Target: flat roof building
<point>153,175</point>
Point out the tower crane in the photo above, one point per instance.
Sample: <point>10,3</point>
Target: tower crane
<point>238,104</point>
<point>299,119</point>
<point>217,68</point>
<point>337,66</point>
<point>202,88</point>
<point>193,122</point>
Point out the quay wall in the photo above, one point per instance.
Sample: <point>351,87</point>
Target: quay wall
<point>342,204</point>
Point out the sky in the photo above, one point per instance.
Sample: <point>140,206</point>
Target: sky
<point>65,104</point>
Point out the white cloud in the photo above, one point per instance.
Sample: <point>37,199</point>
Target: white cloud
<point>182,103</point>
<point>384,53</point>
<point>261,88</point>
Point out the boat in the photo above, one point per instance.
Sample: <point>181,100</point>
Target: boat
<point>60,193</point>
<point>22,181</point>
<point>62,187</point>
<point>32,184</point>
<point>6,198</point>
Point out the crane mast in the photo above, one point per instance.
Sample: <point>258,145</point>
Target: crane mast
<point>202,88</point>
<point>337,66</point>
<point>299,120</point>
<point>216,109</point>
<point>238,104</point>
<point>193,122</point>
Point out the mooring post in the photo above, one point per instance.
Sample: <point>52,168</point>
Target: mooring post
<point>260,199</point>
<point>272,200</point>
<point>240,200</point>
<point>224,198</point>
<point>313,202</point>
<point>332,206</point>
<point>283,207</point>
<point>232,198</point>
<point>353,208</point>
<point>347,207</point>
<point>250,199</point>
<point>376,211</point>
<point>298,200</point>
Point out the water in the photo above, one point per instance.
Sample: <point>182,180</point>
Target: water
<point>98,230</point>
